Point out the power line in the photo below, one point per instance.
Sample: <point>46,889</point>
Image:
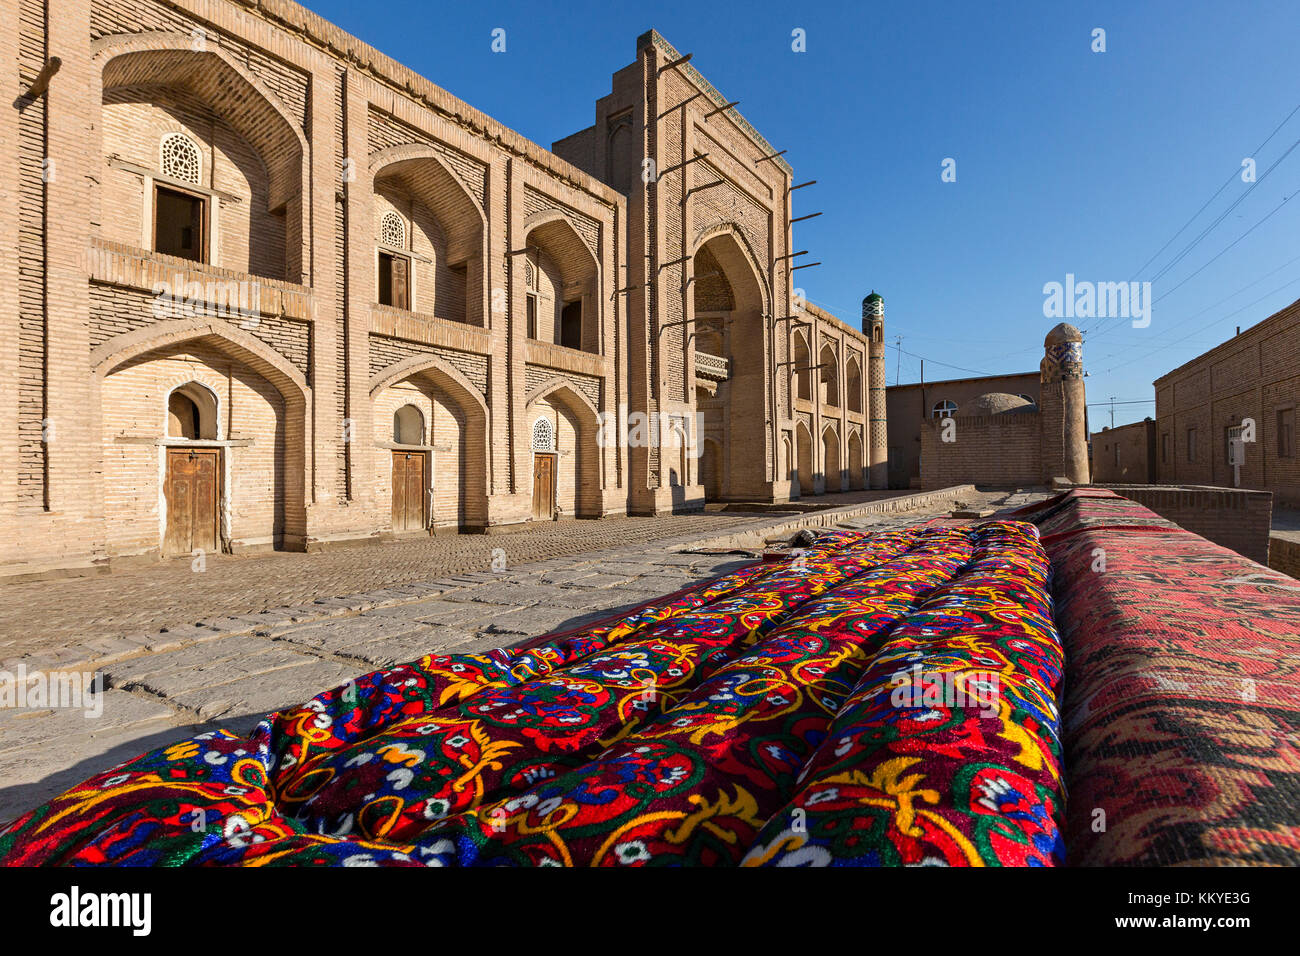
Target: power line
<point>937,362</point>
<point>1226,298</point>
<point>1285,200</point>
<point>1231,176</point>
<point>1203,327</point>
<point>1098,329</point>
<point>1224,215</point>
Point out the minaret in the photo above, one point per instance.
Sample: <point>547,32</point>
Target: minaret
<point>873,327</point>
<point>1063,404</point>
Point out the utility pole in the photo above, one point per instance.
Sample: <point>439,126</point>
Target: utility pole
<point>1112,411</point>
<point>898,368</point>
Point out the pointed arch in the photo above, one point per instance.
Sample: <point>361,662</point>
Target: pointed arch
<point>393,158</point>
<point>574,395</point>
<point>263,489</point>
<point>742,299</point>
<point>828,376</point>
<point>801,363</point>
<point>853,384</point>
<point>547,216</point>
<point>566,271</point>
<point>414,364</point>
<point>737,236</point>
<point>162,57</point>
<point>804,457</point>
<point>460,467</point>
<point>579,487</point>
<point>260,356</point>
<point>832,469</point>
<point>857,461</point>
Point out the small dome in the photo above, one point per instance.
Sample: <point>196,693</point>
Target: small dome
<point>1065,332</point>
<point>994,403</point>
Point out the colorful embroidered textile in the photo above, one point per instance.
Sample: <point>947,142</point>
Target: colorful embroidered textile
<point>1182,711</point>
<point>877,699</point>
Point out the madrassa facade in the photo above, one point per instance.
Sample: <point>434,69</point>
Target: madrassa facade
<point>267,288</point>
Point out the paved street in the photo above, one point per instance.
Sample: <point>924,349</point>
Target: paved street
<point>250,636</point>
<point>138,601</point>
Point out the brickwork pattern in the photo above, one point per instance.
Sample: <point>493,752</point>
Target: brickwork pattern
<point>1235,518</point>
<point>1255,375</point>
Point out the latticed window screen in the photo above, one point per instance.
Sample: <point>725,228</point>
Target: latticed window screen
<point>392,231</point>
<point>543,435</point>
<point>180,158</point>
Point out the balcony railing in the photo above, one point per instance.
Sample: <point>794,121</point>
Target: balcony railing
<point>716,367</point>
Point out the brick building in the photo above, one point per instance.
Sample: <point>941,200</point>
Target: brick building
<point>1205,408</point>
<point>716,327</point>
<point>266,287</point>
<point>912,407</point>
<point>1125,454</point>
<point>1003,440</point>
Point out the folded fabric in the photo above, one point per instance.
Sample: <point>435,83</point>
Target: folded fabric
<point>875,699</point>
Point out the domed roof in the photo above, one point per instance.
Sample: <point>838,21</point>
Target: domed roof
<point>994,403</point>
<point>1065,332</point>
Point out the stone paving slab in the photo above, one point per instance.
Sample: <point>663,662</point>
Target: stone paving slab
<point>331,637</point>
<point>266,692</point>
<point>235,651</point>
<point>413,646</point>
<point>29,776</point>
<point>117,709</point>
<point>174,684</point>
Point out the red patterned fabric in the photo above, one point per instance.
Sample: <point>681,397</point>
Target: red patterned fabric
<point>1181,714</point>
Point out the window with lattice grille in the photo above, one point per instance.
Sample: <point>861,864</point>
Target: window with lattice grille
<point>180,158</point>
<point>392,231</point>
<point>543,435</point>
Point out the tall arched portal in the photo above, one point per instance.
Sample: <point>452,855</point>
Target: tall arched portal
<point>729,342</point>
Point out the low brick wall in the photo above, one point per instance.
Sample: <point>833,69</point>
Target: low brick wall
<point>994,451</point>
<point>1284,553</point>
<point>756,538</point>
<point>1236,518</point>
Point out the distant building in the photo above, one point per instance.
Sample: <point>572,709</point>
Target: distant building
<point>1228,417</point>
<point>1125,454</point>
<point>911,407</point>
<point>1002,440</point>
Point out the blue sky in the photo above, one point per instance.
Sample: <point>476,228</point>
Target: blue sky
<point>1067,161</point>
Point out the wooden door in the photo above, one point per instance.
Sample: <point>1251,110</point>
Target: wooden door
<point>543,486</point>
<point>190,490</point>
<point>408,490</point>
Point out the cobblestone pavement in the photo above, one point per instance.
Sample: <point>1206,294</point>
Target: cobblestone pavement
<point>228,672</point>
<point>36,616</point>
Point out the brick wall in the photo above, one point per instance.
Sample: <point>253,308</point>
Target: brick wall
<point>1125,454</point>
<point>993,450</point>
<point>1254,375</point>
<point>1233,517</point>
<point>1284,554</point>
<point>910,407</point>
